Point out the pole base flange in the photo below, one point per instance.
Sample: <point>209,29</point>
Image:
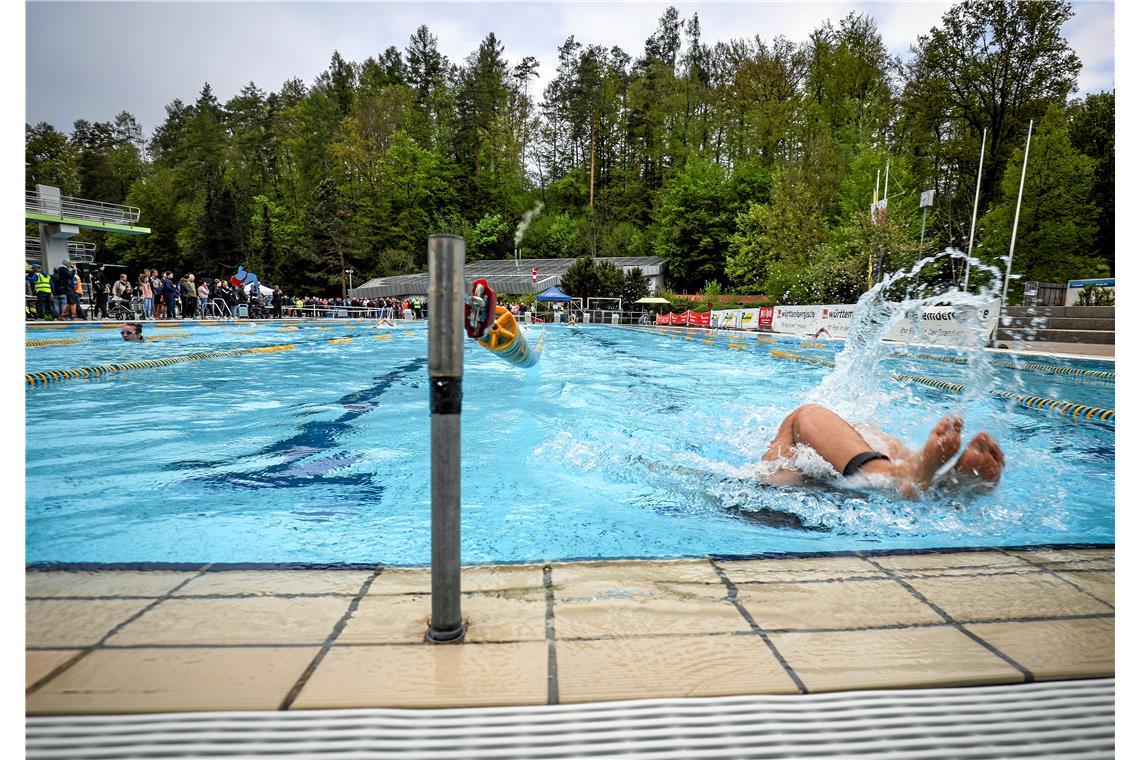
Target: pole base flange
<point>454,636</point>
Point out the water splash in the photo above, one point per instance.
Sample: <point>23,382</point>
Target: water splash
<point>855,388</point>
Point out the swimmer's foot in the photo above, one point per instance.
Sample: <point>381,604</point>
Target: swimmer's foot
<point>979,468</point>
<point>943,443</point>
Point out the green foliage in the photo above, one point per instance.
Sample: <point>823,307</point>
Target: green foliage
<point>748,163</point>
<point>1091,295</point>
<point>694,221</point>
<point>487,238</point>
<point>590,278</point>
<point>1057,228</point>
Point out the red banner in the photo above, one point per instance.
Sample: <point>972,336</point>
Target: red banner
<point>662,319</point>
<point>698,320</point>
<point>676,319</point>
<point>765,322</point>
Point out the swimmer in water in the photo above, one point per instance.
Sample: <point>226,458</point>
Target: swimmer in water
<point>845,449</point>
<point>384,323</point>
<point>132,332</point>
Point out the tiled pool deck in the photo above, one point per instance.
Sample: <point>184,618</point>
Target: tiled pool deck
<point>209,638</point>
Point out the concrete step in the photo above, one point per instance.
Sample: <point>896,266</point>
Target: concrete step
<point>1098,337</point>
<point>1092,312</point>
<point>1058,323</point>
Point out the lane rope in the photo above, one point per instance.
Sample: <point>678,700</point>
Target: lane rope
<point>33,379</point>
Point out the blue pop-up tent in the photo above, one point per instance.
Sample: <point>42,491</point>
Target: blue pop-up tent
<point>553,294</point>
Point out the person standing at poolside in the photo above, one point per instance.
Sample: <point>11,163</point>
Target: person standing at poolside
<point>100,292</point>
<point>170,293</point>
<point>63,292</point>
<point>844,448</point>
<point>147,294</point>
<point>122,289</point>
<point>41,286</point>
<point>189,296</point>
<point>156,289</point>
<point>203,298</point>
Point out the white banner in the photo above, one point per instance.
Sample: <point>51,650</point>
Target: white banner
<point>946,325</point>
<point>797,320</point>
<point>737,319</point>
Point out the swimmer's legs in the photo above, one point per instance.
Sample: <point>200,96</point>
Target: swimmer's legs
<point>830,435</point>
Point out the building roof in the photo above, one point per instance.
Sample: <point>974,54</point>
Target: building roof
<point>504,275</point>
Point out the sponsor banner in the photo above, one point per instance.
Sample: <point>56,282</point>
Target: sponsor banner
<point>764,320</point>
<point>797,320</point>
<point>676,319</point>
<point>1073,291</point>
<point>835,320</point>
<point>723,317</point>
<point>945,325</point>
<point>698,320</point>
<point>752,319</point>
<point>662,319</point>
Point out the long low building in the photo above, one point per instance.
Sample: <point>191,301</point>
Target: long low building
<point>511,277</point>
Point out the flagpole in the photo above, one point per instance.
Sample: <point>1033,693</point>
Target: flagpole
<point>874,210</point>
<point>1016,215</point>
<point>974,218</point>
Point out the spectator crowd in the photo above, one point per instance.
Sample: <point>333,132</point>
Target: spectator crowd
<point>156,294</point>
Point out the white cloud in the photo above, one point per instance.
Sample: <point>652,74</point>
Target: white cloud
<point>91,60</point>
<point>1090,33</point>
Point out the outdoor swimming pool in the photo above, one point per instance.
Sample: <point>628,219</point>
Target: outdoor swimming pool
<point>620,443</point>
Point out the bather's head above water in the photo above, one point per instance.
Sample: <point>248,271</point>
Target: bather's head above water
<point>132,332</point>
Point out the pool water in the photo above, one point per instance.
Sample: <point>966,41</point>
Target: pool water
<point>619,443</point>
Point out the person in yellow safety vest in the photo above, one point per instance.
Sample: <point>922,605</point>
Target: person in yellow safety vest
<point>41,286</point>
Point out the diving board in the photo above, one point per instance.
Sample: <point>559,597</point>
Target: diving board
<point>62,217</point>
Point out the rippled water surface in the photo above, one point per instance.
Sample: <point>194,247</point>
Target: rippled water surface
<point>619,443</point>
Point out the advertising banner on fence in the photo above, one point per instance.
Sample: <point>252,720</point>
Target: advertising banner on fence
<point>950,325</point>
<point>797,320</point>
<point>766,314</point>
<point>947,325</point>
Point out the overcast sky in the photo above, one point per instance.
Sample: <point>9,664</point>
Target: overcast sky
<point>90,60</point>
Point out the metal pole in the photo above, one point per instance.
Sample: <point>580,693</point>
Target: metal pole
<point>1016,215</point>
<point>974,218</point>
<point>922,235</point>
<point>445,371</point>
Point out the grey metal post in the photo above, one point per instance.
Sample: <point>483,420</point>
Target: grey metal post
<point>445,373</point>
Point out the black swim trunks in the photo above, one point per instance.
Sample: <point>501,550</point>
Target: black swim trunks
<point>859,460</point>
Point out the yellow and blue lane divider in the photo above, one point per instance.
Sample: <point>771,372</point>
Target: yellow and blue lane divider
<point>1064,408</point>
<point>1049,369</point>
<point>33,379</point>
<point>72,341</point>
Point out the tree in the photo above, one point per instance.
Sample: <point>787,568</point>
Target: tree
<point>590,278</point>
<point>50,159</point>
<point>1057,228</point>
<point>694,222</point>
<point>992,66</point>
<point>1093,133</point>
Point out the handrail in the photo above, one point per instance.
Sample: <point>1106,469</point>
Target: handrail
<point>80,208</point>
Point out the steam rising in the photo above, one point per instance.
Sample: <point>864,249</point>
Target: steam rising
<point>527,218</point>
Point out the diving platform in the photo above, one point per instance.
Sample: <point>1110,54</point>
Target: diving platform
<point>61,217</point>
<point>49,208</point>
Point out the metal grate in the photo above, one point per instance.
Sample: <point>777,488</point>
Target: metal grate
<point>1058,719</point>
